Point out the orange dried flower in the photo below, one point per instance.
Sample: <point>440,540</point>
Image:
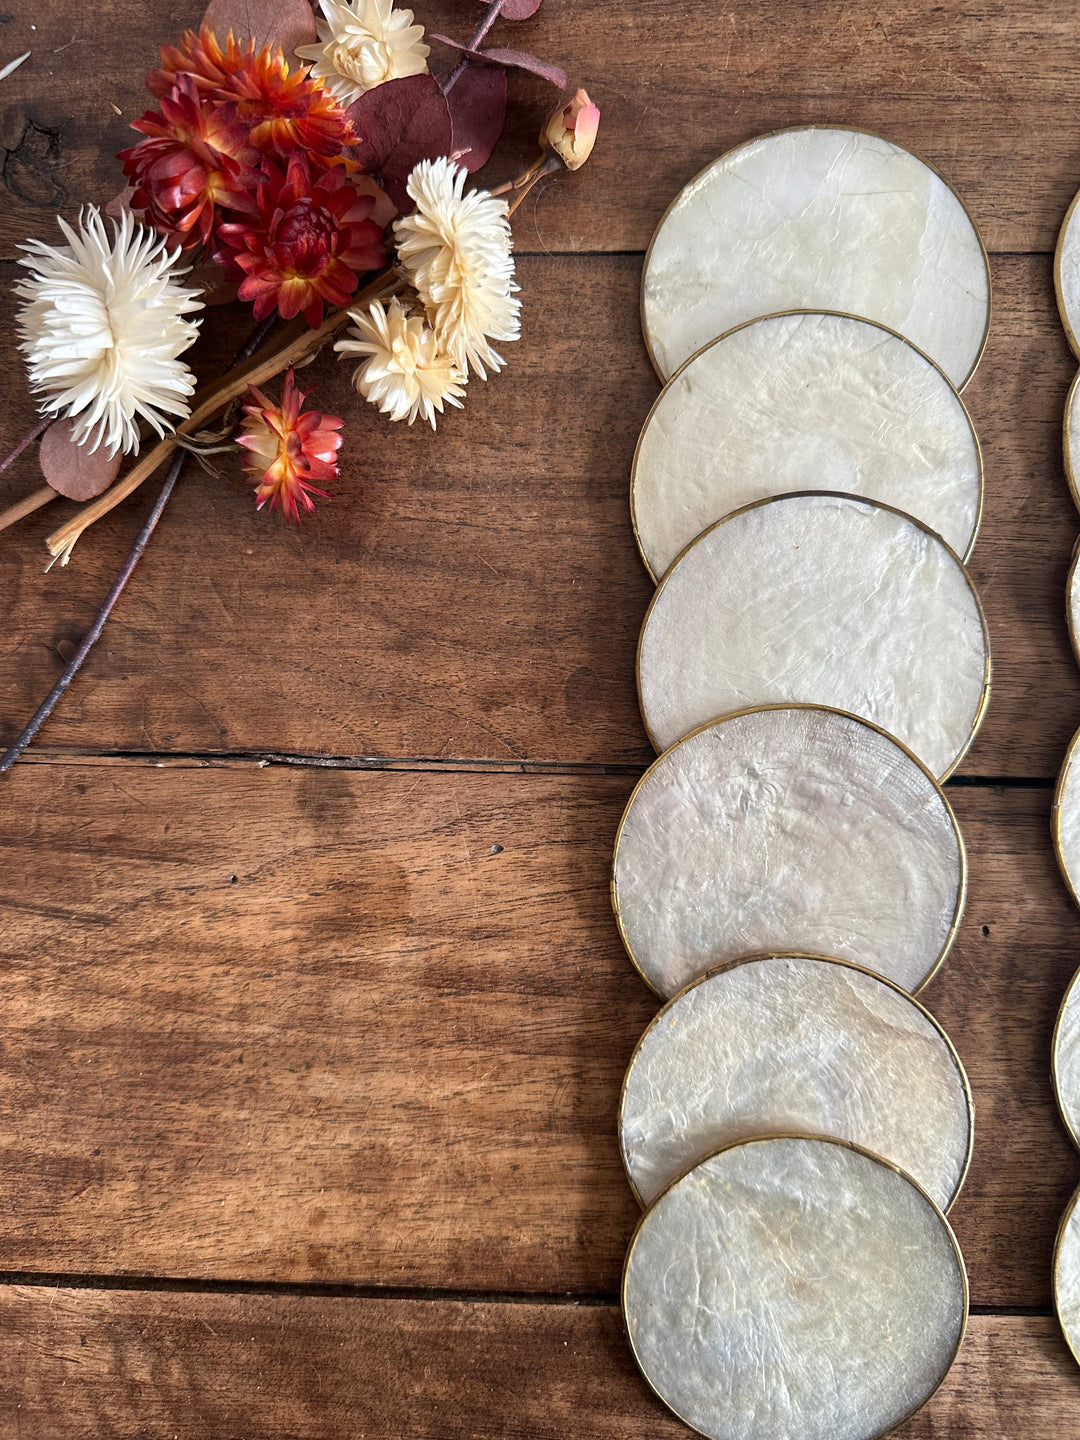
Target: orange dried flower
<point>282,110</point>
<point>310,240</point>
<point>287,448</point>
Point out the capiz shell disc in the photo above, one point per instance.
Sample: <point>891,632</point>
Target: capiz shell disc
<point>823,599</point>
<point>1065,1059</point>
<point>795,1287</point>
<point>1065,819</point>
<point>804,401</point>
<point>792,1043</point>
<point>818,218</point>
<point>1067,1275</point>
<point>1067,275</point>
<point>796,829</point>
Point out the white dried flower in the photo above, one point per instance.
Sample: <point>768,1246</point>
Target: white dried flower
<point>103,324</point>
<point>363,43</point>
<point>456,251</point>
<point>405,373</point>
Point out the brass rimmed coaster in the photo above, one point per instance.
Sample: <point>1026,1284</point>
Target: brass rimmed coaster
<point>1065,819</point>
<point>1071,441</point>
<point>783,1044</point>
<point>739,840</point>
<point>1072,602</point>
<point>818,218</point>
<point>804,401</point>
<point>794,1286</point>
<point>1067,275</point>
<point>1066,1275</point>
<point>822,599</point>
<point>1065,1059</point>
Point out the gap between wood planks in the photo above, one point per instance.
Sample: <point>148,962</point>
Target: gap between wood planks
<point>419,764</point>
<point>173,1286</point>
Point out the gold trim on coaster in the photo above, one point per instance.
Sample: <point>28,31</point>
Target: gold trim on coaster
<point>1074,343</point>
<point>1055,1078</point>
<point>1055,817</point>
<point>849,130</point>
<point>984,698</point>
<point>961,897</point>
<point>781,315</point>
<point>1063,1223</point>
<point>845,1145</point>
<point>825,960</point>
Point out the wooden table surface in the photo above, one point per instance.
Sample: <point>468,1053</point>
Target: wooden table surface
<point>313,1014</point>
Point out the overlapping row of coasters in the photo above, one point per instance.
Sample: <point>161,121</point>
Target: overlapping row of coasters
<point>1065,1067</point>
<point>789,871</point>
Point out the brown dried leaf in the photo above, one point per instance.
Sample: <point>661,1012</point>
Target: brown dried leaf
<point>71,469</point>
<point>508,59</point>
<point>399,123</point>
<point>287,23</point>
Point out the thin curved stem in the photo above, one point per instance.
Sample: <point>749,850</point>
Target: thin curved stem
<point>491,14</point>
<point>28,439</point>
<point>90,639</point>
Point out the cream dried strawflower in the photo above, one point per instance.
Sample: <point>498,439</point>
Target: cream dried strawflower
<point>456,251</point>
<point>362,44</point>
<point>103,324</point>
<point>405,373</point>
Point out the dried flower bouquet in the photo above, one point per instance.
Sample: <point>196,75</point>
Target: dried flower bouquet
<point>316,169</point>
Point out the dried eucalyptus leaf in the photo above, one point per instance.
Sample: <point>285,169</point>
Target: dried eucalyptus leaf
<point>73,470</point>
<point>287,23</point>
<point>400,123</point>
<point>478,110</point>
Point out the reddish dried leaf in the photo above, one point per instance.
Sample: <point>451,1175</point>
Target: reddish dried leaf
<point>287,23</point>
<point>517,9</point>
<point>478,108</point>
<point>509,60</point>
<point>71,469</point>
<point>399,123</point>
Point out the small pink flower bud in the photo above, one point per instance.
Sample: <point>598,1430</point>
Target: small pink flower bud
<point>571,130</point>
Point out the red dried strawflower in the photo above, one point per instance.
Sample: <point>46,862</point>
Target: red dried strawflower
<point>282,110</point>
<point>194,153</point>
<point>287,448</point>
<point>311,239</point>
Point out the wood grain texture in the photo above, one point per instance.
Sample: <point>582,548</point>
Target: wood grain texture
<point>477,593</point>
<point>82,1363</point>
<point>279,1024</point>
<point>982,90</point>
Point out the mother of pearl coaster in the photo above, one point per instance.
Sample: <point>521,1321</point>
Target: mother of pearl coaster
<point>1067,1275</point>
<point>794,1287</point>
<point>1067,275</point>
<point>1065,819</point>
<point>822,599</point>
<point>804,401</point>
<point>790,829</point>
<point>1065,1059</point>
<point>818,218</point>
<point>784,1044</point>
<point>1071,441</point>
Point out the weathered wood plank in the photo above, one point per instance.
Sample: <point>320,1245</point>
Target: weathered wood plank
<point>133,1364</point>
<point>981,90</point>
<point>297,1025</point>
<point>477,593</point>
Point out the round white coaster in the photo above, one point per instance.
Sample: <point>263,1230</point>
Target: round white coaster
<point>818,218</point>
<point>791,829</point>
<point>1065,820</point>
<point>1067,275</point>
<point>822,599</point>
<point>804,401</point>
<point>1067,1275</point>
<point>794,1044</point>
<point>794,1287</point>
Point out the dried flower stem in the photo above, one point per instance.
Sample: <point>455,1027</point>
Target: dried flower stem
<point>28,439</point>
<point>72,668</point>
<point>301,343</point>
<point>491,14</point>
<point>27,505</point>
<point>547,164</point>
